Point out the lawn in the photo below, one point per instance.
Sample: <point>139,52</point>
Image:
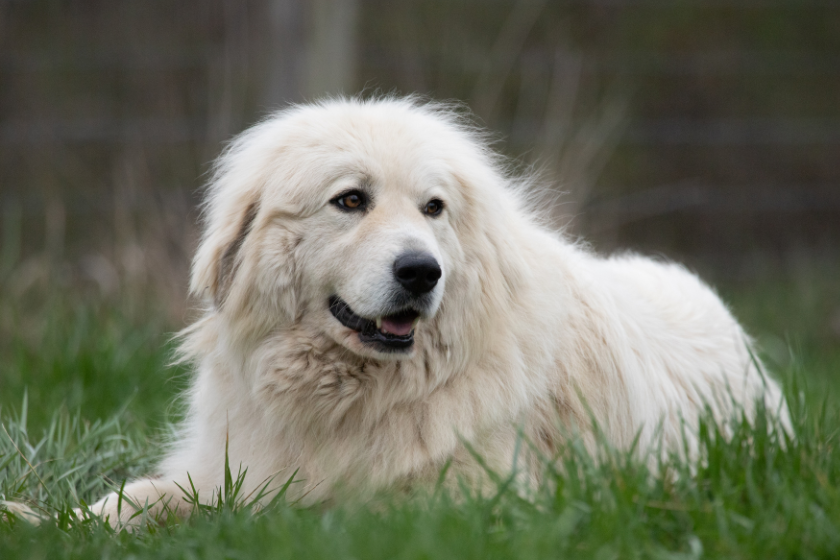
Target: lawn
<point>87,398</point>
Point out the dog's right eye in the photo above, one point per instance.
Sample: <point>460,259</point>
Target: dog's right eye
<point>351,200</point>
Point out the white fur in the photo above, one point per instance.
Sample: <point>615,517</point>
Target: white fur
<point>526,331</point>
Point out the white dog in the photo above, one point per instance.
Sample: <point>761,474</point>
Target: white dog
<point>380,301</point>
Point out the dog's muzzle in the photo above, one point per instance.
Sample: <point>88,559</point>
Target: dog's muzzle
<point>390,333</point>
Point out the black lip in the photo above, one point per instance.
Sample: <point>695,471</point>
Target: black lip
<point>368,333</point>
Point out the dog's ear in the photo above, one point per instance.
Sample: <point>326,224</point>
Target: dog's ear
<point>220,253</point>
<point>232,256</point>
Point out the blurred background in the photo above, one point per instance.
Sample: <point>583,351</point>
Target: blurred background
<point>702,130</point>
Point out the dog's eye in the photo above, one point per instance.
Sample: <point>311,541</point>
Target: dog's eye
<point>352,200</point>
<point>433,208</point>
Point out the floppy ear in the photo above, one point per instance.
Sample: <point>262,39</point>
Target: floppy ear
<point>241,195</point>
<point>220,252</point>
<point>230,260</point>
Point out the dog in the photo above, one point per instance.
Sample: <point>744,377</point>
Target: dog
<point>381,301</point>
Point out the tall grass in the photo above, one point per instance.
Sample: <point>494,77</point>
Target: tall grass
<point>756,494</point>
<point>87,357</point>
<point>86,395</point>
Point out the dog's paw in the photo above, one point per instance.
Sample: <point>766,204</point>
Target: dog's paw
<point>139,504</point>
<point>20,511</point>
<point>120,512</point>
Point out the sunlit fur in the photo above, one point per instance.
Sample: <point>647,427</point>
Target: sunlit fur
<point>527,332</point>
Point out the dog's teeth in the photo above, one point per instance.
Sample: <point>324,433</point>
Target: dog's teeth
<point>379,322</point>
<point>414,322</point>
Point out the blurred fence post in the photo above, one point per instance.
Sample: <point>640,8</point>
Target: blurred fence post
<point>283,52</point>
<point>331,47</point>
<point>312,49</point>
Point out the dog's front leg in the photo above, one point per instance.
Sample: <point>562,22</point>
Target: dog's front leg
<point>141,501</point>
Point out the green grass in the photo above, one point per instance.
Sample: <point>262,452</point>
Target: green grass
<point>98,394</point>
<point>86,357</point>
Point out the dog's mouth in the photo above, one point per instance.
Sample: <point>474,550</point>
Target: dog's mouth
<point>390,332</point>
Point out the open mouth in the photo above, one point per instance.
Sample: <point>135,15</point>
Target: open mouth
<point>389,332</point>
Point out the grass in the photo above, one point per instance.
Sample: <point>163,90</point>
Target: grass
<point>85,395</point>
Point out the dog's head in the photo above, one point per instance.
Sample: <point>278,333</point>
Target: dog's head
<point>347,217</point>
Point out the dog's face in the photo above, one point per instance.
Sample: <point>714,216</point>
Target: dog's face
<point>342,218</point>
<point>384,247</point>
<point>376,252</point>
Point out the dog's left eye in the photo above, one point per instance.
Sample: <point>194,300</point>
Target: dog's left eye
<point>351,200</point>
<point>433,208</point>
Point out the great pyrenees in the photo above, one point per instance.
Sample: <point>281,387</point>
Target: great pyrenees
<point>380,301</point>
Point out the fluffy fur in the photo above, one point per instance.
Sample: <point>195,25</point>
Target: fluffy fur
<point>524,330</point>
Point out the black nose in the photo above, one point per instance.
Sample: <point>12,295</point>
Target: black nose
<point>417,272</point>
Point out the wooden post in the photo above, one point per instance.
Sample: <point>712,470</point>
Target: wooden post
<point>310,50</point>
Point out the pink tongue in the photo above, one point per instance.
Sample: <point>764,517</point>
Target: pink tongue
<point>396,326</point>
